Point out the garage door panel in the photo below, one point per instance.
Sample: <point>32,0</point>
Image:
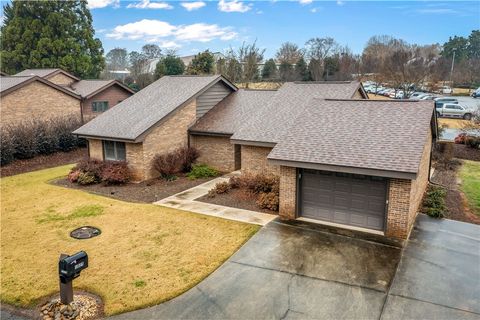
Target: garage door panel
<point>343,198</point>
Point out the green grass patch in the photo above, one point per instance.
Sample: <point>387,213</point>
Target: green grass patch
<point>470,175</point>
<point>86,211</point>
<point>201,171</point>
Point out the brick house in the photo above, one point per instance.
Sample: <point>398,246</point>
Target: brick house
<point>47,93</point>
<point>341,159</point>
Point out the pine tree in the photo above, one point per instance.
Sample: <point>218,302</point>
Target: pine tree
<point>269,70</point>
<point>50,34</point>
<point>169,65</point>
<point>202,63</point>
<point>301,70</point>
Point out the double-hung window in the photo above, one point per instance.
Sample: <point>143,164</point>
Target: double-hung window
<point>99,106</point>
<point>114,150</point>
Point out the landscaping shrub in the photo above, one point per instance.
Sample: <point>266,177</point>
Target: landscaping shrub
<point>29,138</point>
<point>269,200</point>
<point>85,178</point>
<point>91,167</point>
<point>179,160</point>
<point>235,182</point>
<point>202,171</point>
<point>73,176</point>
<point>115,172</point>
<point>434,202</point>
<point>221,187</point>
<point>188,156</point>
<point>167,165</point>
<point>472,142</point>
<point>260,183</point>
<point>7,147</point>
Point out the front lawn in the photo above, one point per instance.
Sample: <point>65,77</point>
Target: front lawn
<point>470,176</point>
<point>146,254</point>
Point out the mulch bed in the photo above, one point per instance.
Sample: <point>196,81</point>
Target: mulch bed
<point>43,162</point>
<point>145,191</point>
<point>236,198</point>
<point>454,199</point>
<point>461,151</point>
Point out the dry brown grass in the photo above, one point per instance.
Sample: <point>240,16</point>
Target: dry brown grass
<point>146,254</point>
<point>453,123</point>
<point>377,97</point>
<point>260,85</point>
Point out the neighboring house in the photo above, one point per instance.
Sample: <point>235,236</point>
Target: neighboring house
<point>32,97</point>
<point>3,74</point>
<point>342,160</point>
<point>47,93</point>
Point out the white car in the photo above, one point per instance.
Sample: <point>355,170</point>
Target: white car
<point>416,95</point>
<point>446,90</point>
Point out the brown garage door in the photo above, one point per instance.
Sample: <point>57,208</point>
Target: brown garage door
<point>343,198</point>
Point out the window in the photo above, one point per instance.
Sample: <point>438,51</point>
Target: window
<point>99,106</point>
<point>114,150</point>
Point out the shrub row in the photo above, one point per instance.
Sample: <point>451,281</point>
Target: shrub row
<point>33,137</point>
<point>177,161</point>
<point>266,187</point>
<point>93,171</point>
<point>434,202</point>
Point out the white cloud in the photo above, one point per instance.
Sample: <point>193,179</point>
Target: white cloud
<point>169,45</point>
<point>340,3</point>
<point>233,6</point>
<point>305,2</point>
<point>96,4</point>
<point>170,35</point>
<point>190,6</point>
<point>147,4</point>
<point>437,11</point>
<point>315,10</point>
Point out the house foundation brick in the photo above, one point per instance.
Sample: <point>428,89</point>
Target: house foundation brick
<point>288,193</point>
<point>61,79</point>
<point>254,161</point>
<point>216,152</point>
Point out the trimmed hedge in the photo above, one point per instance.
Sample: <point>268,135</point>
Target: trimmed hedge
<point>29,138</point>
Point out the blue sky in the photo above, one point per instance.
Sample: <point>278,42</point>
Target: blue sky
<point>217,25</point>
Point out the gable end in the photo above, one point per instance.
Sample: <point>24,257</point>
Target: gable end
<point>211,98</point>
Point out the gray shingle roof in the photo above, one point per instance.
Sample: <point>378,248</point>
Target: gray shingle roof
<point>37,72</point>
<point>270,122</point>
<point>230,114</point>
<point>381,135</point>
<point>87,87</point>
<point>9,82</point>
<point>133,116</point>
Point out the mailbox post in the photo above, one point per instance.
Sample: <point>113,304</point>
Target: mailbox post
<point>69,268</point>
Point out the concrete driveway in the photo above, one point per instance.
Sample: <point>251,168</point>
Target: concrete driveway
<point>297,272</point>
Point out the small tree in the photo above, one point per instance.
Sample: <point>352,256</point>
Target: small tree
<point>169,65</point>
<point>144,80</point>
<point>202,63</point>
<point>301,70</point>
<point>269,70</point>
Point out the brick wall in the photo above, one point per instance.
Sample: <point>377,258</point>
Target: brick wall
<point>358,95</point>
<point>254,160</point>
<point>61,79</point>
<point>170,134</point>
<point>405,197</point>
<point>36,100</point>
<point>135,160</point>
<point>95,149</point>
<point>113,95</point>
<point>217,152</point>
<point>288,192</point>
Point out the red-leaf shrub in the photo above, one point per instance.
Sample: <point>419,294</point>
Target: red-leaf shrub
<point>91,166</point>
<point>73,176</point>
<point>179,160</point>
<point>188,156</point>
<point>115,172</point>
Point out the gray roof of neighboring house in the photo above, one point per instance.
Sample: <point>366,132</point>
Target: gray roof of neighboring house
<point>274,119</point>
<point>137,114</point>
<point>86,88</point>
<point>233,111</point>
<point>13,83</point>
<point>9,82</point>
<point>43,72</point>
<point>379,135</point>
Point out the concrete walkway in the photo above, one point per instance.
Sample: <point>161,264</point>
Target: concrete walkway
<point>185,200</point>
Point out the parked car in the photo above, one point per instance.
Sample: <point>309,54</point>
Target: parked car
<point>446,90</point>
<point>442,100</point>
<point>452,110</point>
<point>416,95</point>
<point>476,93</point>
<point>427,97</point>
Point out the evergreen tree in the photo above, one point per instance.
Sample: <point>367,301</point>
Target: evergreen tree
<point>202,63</point>
<point>269,70</point>
<point>169,65</point>
<point>301,70</point>
<point>50,34</point>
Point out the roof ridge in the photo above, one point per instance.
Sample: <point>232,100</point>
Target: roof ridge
<point>324,82</point>
<point>193,75</point>
<point>368,100</point>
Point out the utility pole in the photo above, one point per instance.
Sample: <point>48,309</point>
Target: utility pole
<point>453,62</point>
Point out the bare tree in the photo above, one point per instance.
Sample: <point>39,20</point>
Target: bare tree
<point>317,50</point>
<point>289,52</point>
<point>250,56</point>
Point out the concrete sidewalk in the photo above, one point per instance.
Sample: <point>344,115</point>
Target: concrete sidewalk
<point>185,200</point>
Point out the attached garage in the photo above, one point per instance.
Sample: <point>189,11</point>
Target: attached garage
<point>343,198</point>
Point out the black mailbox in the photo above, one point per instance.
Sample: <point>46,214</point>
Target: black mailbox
<point>69,267</point>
